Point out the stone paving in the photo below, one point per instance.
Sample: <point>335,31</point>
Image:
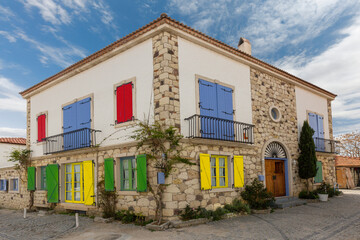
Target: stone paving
<point>337,219</point>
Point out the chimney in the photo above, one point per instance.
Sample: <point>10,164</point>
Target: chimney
<point>244,45</point>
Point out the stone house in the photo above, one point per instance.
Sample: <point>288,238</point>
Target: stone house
<point>240,117</point>
<point>11,188</point>
<point>347,171</point>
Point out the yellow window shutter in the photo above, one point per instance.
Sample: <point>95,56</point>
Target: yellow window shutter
<point>89,194</point>
<point>205,174</point>
<point>238,171</point>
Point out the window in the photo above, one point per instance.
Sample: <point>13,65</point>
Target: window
<point>41,122</point>
<point>128,173</point>
<point>124,103</point>
<point>74,191</point>
<point>3,185</point>
<point>316,122</point>
<point>216,101</point>
<point>219,171</point>
<point>43,178</point>
<point>14,184</point>
<point>275,114</point>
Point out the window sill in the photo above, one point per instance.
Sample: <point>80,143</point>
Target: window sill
<point>215,190</point>
<point>13,191</point>
<point>128,193</point>
<point>126,124</point>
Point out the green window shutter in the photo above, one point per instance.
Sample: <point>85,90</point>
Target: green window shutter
<point>52,182</point>
<point>109,174</point>
<point>318,178</point>
<point>31,178</point>
<point>141,173</point>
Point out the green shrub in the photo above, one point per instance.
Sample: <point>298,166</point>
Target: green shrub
<point>127,216</point>
<point>337,192</point>
<point>238,206</point>
<point>219,213</point>
<point>257,196</point>
<point>305,195</point>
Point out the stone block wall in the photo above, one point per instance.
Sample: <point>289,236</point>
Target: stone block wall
<point>14,200</point>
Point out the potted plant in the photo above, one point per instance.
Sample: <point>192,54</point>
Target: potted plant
<point>322,192</point>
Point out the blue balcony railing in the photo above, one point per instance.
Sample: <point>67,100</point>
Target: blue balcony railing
<point>326,145</point>
<point>76,139</point>
<point>219,129</point>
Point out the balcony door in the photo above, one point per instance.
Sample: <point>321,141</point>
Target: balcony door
<point>216,109</point>
<point>77,124</point>
<point>316,122</point>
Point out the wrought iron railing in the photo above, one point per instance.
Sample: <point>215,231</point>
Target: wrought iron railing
<point>326,145</point>
<point>76,139</point>
<point>219,129</point>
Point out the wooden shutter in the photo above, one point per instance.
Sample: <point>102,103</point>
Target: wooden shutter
<point>320,143</point>
<point>238,171</point>
<point>124,103</point>
<point>41,121</point>
<point>31,178</point>
<point>128,111</point>
<point>109,174</point>
<point>89,193</point>
<point>225,111</point>
<point>318,178</point>
<point>83,120</point>
<point>141,173</point>
<point>69,124</point>
<point>207,94</point>
<point>313,124</point>
<point>52,183</point>
<point>205,174</point>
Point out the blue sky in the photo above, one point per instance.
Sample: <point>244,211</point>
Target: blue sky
<point>317,40</point>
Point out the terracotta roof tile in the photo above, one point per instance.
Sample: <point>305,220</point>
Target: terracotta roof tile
<point>342,161</point>
<point>154,24</point>
<point>20,141</point>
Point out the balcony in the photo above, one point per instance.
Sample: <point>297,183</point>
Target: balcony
<point>326,145</point>
<point>219,129</point>
<point>81,138</point>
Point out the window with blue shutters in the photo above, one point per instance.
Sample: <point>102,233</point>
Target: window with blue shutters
<point>77,116</point>
<point>216,102</point>
<point>316,122</point>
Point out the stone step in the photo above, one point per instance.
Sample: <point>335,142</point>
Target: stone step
<point>285,199</point>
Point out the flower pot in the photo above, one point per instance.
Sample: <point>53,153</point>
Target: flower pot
<point>323,197</point>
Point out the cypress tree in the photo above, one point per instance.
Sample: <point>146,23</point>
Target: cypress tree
<point>307,159</point>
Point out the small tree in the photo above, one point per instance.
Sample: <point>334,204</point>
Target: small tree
<point>21,158</point>
<point>161,145</point>
<point>307,159</point>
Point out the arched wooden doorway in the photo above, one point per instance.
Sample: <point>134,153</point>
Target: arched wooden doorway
<point>276,169</point>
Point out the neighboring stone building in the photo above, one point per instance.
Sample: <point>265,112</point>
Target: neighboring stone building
<point>11,186</point>
<point>347,171</point>
<point>241,119</point>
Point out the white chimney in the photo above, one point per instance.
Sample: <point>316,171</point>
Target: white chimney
<point>244,45</point>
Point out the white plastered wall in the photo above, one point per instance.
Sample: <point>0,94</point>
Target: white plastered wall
<point>136,62</point>
<point>5,150</point>
<point>307,101</point>
<point>197,60</point>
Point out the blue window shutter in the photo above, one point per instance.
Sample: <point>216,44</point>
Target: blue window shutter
<point>313,123</point>
<point>69,124</point>
<point>83,117</point>
<point>320,142</point>
<point>208,107</point>
<point>208,102</point>
<point>225,111</point>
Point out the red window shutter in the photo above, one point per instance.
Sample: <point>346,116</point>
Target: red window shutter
<point>124,103</point>
<point>128,102</point>
<point>41,127</point>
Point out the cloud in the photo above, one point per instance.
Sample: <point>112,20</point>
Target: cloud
<point>8,36</point>
<point>337,70</point>
<point>5,13</point>
<point>50,11</point>
<point>9,96</point>
<point>12,132</point>
<point>61,56</point>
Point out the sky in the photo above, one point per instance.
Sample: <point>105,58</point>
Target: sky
<point>316,40</point>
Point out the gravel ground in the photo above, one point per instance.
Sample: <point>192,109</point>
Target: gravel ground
<point>337,219</point>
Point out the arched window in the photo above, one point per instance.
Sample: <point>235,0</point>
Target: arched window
<point>275,150</point>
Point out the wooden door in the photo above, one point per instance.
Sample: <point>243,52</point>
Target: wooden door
<point>275,177</point>
<point>341,177</point>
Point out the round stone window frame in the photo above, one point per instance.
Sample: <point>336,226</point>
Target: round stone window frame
<point>278,113</point>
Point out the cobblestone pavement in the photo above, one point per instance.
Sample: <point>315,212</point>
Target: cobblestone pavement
<point>337,219</point>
